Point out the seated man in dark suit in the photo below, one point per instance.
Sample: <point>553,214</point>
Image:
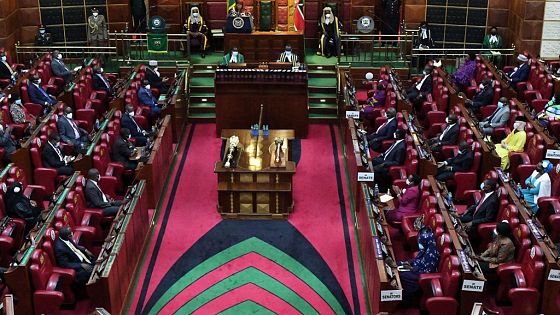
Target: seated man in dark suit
<point>7,142</point>
<point>385,131</point>
<point>123,150</point>
<point>100,83</point>
<point>70,255</point>
<point>483,97</point>
<point>146,97</point>
<point>484,211</point>
<point>521,72</point>
<point>154,77</point>
<point>53,157</point>
<point>96,198</point>
<point>127,121</point>
<point>448,136</point>
<point>60,69</point>
<point>461,162</point>
<point>6,70</point>
<point>37,94</point>
<point>69,131</point>
<point>394,155</point>
<point>418,91</point>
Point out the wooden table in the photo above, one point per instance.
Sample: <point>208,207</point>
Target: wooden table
<point>155,170</point>
<point>256,188</point>
<point>241,92</point>
<point>264,46</point>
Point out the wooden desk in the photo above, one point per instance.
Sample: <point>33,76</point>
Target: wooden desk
<point>255,188</point>
<point>264,46</point>
<point>175,104</point>
<point>240,93</point>
<point>155,170</point>
<point>427,165</point>
<point>466,298</point>
<point>551,288</point>
<point>507,90</point>
<point>113,274</point>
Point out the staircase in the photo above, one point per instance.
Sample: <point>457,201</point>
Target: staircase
<point>322,97</point>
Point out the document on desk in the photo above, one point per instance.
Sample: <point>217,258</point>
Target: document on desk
<point>161,98</point>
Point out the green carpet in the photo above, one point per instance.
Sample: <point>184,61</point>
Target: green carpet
<point>322,82</point>
<point>202,81</point>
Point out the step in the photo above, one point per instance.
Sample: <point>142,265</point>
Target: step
<point>202,81</point>
<point>199,94</point>
<point>321,95</point>
<point>322,89</point>
<point>201,99</point>
<point>202,117</point>
<point>202,89</point>
<point>323,117</point>
<point>322,82</point>
<point>323,108</point>
<point>321,73</point>
<point>313,67</point>
<point>206,73</point>
<point>202,107</point>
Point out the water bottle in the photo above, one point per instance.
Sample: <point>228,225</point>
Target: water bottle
<point>375,191</point>
<point>449,198</point>
<point>518,192</point>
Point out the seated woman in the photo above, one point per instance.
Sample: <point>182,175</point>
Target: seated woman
<point>20,207</point>
<point>500,251</point>
<point>378,98</point>
<point>20,115</point>
<point>238,9</point>
<point>426,261</point>
<point>330,26</point>
<point>463,76</point>
<point>551,110</point>
<point>538,185</point>
<point>408,200</point>
<point>514,142</point>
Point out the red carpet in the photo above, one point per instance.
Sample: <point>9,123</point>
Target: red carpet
<point>190,213</point>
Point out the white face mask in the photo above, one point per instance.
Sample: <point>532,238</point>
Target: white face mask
<point>517,126</point>
<point>481,86</point>
<point>17,189</point>
<point>235,53</point>
<point>195,14</point>
<point>69,115</point>
<point>4,58</point>
<point>131,114</point>
<point>148,86</point>
<point>328,15</point>
<point>395,135</point>
<point>482,186</point>
<point>420,246</point>
<point>39,81</point>
<point>59,56</point>
<point>500,104</point>
<point>41,31</point>
<point>95,14</point>
<point>408,182</point>
<point>128,137</point>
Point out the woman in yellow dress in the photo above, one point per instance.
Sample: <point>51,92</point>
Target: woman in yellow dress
<point>514,142</point>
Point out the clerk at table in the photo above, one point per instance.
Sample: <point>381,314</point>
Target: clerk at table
<point>233,57</point>
<point>288,56</point>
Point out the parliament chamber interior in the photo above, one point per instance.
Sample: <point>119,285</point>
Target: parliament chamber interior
<point>402,157</point>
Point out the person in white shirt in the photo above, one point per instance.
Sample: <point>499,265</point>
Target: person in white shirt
<point>96,198</point>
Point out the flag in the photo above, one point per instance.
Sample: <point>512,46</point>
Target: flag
<point>230,5</point>
<point>157,43</point>
<point>299,18</point>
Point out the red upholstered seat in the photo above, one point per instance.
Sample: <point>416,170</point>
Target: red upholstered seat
<point>443,243</point>
<point>83,235</point>
<point>520,282</point>
<point>83,216</point>
<point>427,206</point>
<point>522,164</point>
<point>43,176</point>
<point>51,285</point>
<point>33,108</point>
<point>439,289</point>
<point>463,181</point>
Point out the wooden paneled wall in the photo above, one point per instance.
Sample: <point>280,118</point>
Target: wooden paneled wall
<point>525,24</point>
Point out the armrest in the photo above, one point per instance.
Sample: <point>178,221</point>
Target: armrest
<point>109,184</point>
<point>36,192</point>
<point>505,270</point>
<point>34,109</point>
<point>473,196</point>
<point>50,301</point>
<point>65,273</point>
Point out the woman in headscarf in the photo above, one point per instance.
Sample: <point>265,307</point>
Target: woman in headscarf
<point>408,200</point>
<point>330,26</point>
<point>426,261</point>
<point>500,251</point>
<point>195,27</point>
<point>538,185</point>
<point>20,207</point>
<point>514,142</point>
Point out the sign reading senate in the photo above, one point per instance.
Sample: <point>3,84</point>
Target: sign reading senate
<point>473,285</point>
<point>391,295</point>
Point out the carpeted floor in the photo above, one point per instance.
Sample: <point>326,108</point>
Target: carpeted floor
<point>199,264</point>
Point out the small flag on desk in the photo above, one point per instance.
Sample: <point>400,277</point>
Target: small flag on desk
<point>230,5</point>
<point>299,18</point>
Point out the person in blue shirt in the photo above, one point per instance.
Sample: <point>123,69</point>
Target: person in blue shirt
<point>146,97</point>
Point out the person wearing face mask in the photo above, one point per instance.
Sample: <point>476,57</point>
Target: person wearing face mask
<point>136,131</point>
<point>6,70</point>
<point>407,200</point>
<point>154,77</point>
<point>497,119</point>
<point>146,97</point>
<point>330,28</point>
<point>551,110</point>
<point>194,26</point>
<point>96,198</point>
<point>42,38</point>
<point>232,57</point>
<point>463,76</point>
<point>461,162</point>
<point>379,96</point>
<point>37,94</point>
<point>53,157</point>
<point>500,251</point>
<point>19,206</point>
<point>70,255</point>
<point>426,261</point>
<point>288,56</point>
<point>394,155</point>
<point>7,142</point>
<point>238,9</point>
<point>448,136</point>
<point>100,83</point>
<point>70,132</point>
<point>419,90</point>
<point>385,131</point>
<point>123,150</point>
<point>493,41</point>
<point>521,72</point>
<point>424,41</point>
<point>20,115</point>
<point>97,29</point>
<point>538,185</point>
<point>484,211</point>
<point>60,69</point>
<point>483,97</point>
<point>514,142</point>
